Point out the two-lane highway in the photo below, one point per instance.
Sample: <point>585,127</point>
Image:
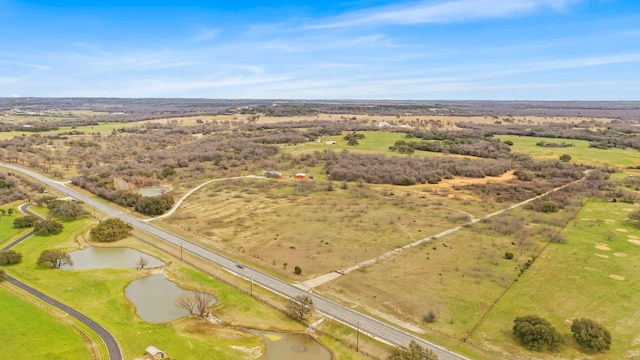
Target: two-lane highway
<point>366,324</point>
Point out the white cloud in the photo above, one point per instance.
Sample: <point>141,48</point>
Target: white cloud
<point>443,12</point>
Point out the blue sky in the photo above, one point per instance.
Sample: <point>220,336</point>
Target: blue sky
<point>354,49</point>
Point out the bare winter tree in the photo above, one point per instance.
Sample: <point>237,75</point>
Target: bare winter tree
<point>300,307</point>
<point>196,301</point>
<point>142,262</point>
<point>186,302</point>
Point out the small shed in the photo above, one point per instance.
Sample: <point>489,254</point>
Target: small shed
<point>300,175</point>
<point>155,353</point>
<point>330,142</point>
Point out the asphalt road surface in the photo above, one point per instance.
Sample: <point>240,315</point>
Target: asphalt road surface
<point>367,325</point>
<point>109,340</point>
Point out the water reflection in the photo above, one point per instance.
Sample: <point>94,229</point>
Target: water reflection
<point>100,258</point>
<point>154,297</point>
<point>293,347</point>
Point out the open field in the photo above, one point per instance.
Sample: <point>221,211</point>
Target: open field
<point>279,224</point>
<point>7,231</point>
<point>444,121</point>
<point>30,333</point>
<point>580,152</point>
<point>593,275</point>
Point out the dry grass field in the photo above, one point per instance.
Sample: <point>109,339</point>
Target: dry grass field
<point>273,222</point>
<point>444,121</point>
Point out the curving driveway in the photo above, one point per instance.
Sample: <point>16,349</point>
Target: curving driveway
<point>109,340</point>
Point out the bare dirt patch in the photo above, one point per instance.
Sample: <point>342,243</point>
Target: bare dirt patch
<point>617,277</point>
<point>602,256</point>
<point>621,230</point>
<point>603,247</point>
<point>620,254</point>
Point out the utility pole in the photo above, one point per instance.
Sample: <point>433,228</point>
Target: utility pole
<point>180,251</point>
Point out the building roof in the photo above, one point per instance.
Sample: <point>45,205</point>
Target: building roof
<point>153,351</point>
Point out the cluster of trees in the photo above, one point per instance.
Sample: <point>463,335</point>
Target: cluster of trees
<point>14,187</point>
<point>353,137</point>
<point>111,230</point>
<point>465,143</point>
<point>380,169</point>
<point>536,333</point>
<point>66,209</point>
<point>617,134</point>
<point>551,144</point>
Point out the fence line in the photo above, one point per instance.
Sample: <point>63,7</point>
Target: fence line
<point>258,298</point>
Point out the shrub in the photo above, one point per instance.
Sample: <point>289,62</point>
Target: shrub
<point>110,230</point>
<point>431,316</point>
<point>508,255</point>
<point>536,333</point>
<point>10,257</point>
<point>48,227</point>
<point>591,335</point>
<point>3,274</point>
<point>54,258</point>
<point>549,207</point>
<point>26,221</point>
<point>297,270</point>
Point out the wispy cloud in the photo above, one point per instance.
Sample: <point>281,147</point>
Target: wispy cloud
<point>206,34</point>
<point>442,12</point>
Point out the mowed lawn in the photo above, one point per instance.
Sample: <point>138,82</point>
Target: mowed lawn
<point>594,275</point>
<point>580,152</point>
<point>27,332</point>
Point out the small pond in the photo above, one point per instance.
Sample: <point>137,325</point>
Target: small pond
<point>293,346</point>
<point>154,297</point>
<point>153,191</point>
<point>101,257</point>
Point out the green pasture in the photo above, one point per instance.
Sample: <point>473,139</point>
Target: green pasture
<point>101,127</point>
<point>28,332</point>
<point>593,275</point>
<point>580,152</point>
<point>7,231</point>
<point>374,142</point>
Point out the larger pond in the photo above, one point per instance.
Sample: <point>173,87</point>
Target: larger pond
<point>117,257</point>
<point>293,347</point>
<point>154,297</point>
